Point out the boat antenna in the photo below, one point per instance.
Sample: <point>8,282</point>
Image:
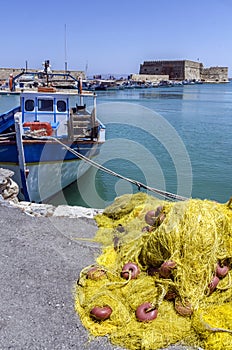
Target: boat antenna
<point>86,70</point>
<point>65,50</point>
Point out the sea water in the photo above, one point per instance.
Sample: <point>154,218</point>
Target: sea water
<point>177,139</point>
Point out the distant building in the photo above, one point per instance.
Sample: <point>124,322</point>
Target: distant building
<point>184,70</point>
<point>5,72</point>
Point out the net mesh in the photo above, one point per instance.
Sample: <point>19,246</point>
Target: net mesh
<point>182,252</point>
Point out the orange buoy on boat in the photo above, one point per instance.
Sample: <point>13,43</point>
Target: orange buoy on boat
<point>80,85</point>
<point>39,126</point>
<point>11,82</point>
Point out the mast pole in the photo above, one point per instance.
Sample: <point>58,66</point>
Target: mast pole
<point>65,50</point>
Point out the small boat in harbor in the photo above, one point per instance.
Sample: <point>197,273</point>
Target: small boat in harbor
<point>44,138</point>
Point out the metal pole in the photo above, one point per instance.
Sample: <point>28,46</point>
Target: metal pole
<point>21,158</point>
<point>95,105</point>
<point>65,51</point>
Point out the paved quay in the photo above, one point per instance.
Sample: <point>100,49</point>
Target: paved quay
<point>40,262</point>
<point>41,258</point>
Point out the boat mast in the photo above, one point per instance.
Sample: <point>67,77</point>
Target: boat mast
<point>86,70</point>
<point>65,51</point>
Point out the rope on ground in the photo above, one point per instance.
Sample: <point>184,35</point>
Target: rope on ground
<point>162,193</point>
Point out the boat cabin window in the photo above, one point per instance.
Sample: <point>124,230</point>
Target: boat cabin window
<point>29,105</point>
<point>61,106</point>
<point>45,105</point>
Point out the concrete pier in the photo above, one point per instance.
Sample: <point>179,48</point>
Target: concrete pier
<point>41,259</point>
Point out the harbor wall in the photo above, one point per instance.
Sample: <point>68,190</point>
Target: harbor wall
<point>148,77</point>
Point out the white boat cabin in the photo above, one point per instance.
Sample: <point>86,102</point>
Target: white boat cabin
<point>44,107</point>
<point>53,109</point>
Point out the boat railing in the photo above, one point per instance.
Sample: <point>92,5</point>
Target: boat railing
<point>7,118</point>
<point>46,76</point>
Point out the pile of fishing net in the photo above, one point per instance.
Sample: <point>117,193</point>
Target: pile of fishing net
<point>164,276</point>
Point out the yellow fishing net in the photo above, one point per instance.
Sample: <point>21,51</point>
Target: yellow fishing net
<point>177,287</point>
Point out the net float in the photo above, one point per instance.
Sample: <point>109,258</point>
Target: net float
<point>213,284</point>
<point>120,228</point>
<point>101,313</point>
<point>130,269</point>
<point>152,216</point>
<point>184,309</point>
<point>95,273</point>
<point>221,271</point>
<point>146,229</point>
<point>146,312</point>
<point>166,268</point>
<point>170,295</point>
<point>116,242</point>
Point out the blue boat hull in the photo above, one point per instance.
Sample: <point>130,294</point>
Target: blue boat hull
<point>36,138</point>
<point>50,166</point>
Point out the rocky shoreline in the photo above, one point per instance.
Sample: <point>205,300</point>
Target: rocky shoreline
<point>9,193</point>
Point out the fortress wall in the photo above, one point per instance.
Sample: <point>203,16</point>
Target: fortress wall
<point>215,74</point>
<point>192,70</point>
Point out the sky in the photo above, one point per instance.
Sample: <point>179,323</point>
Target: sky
<point>114,36</point>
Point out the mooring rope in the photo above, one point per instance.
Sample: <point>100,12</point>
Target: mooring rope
<point>4,136</point>
<point>134,182</point>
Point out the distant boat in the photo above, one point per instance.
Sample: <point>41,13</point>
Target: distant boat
<point>42,140</point>
<point>165,83</point>
<point>104,85</point>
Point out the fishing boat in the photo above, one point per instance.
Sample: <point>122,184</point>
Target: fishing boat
<point>45,137</point>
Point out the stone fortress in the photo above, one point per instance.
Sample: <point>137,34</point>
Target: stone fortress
<point>183,70</point>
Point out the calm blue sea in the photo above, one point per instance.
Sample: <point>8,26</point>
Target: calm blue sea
<point>178,139</point>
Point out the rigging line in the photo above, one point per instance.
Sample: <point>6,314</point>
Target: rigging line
<point>137,183</point>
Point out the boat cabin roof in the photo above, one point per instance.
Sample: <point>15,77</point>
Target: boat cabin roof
<point>53,93</point>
